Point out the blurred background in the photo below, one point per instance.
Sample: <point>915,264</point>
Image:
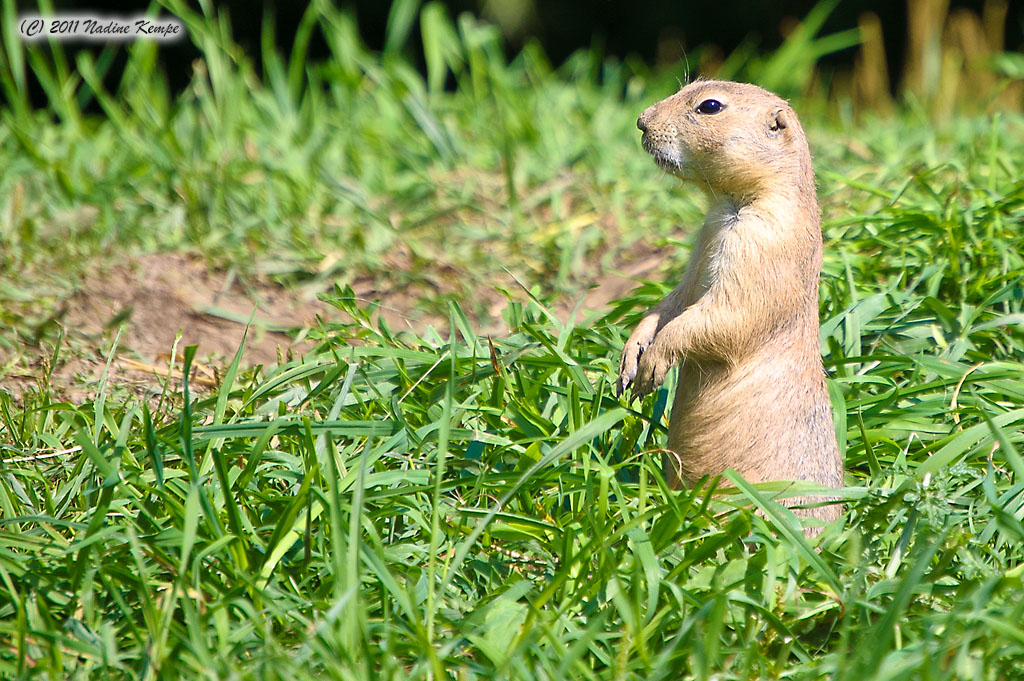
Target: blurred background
<point>932,49</point>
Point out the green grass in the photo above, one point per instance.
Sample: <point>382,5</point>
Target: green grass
<point>444,505</point>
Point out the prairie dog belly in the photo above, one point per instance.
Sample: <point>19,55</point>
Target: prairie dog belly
<point>721,418</point>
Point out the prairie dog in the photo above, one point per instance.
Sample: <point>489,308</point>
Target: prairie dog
<point>743,323</point>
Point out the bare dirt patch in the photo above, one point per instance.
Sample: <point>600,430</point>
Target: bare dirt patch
<point>158,295</point>
<point>640,262</point>
<point>133,312</point>
<point>143,305</point>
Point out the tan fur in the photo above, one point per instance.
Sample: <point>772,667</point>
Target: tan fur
<point>744,320</point>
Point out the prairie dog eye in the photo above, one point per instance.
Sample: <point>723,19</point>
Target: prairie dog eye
<point>710,106</point>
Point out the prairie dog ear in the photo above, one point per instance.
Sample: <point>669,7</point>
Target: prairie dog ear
<point>778,121</point>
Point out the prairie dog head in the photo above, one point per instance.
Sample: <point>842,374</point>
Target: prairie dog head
<point>729,138</point>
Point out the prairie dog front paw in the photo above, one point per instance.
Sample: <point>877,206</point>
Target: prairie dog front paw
<point>633,350</point>
<point>652,367</point>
